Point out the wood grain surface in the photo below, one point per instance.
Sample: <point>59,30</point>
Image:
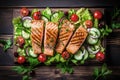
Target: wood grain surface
<point>81,72</point>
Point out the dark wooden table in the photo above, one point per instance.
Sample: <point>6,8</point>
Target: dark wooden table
<point>81,72</point>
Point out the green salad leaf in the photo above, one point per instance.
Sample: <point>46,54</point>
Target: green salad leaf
<point>47,13</point>
<point>86,15</point>
<point>57,16</point>
<point>70,12</point>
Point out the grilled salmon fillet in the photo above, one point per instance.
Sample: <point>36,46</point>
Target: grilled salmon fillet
<point>37,29</point>
<point>65,34</point>
<point>77,39</point>
<point>50,37</point>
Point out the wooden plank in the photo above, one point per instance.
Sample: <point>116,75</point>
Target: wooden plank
<point>60,3</point>
<point>6,16</point>
<point>52,73</point>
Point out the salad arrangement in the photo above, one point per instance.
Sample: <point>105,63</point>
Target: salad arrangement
<point>91,48</point>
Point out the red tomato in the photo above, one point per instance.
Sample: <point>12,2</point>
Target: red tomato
<point>100,56</point>
<point>74,17</point>
<point>65,55</point>
<point>24,12</point>
<point>20,41</point>
<point>36,15</point>
<point>88,23</point>
<point>42,57</point>
<point>21,59</point>
<point>97,14</point>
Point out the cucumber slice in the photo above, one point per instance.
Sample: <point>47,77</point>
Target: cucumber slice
<point>44,18</point>
<point>94,33</point>
<point>92,41</point>
<point>25,34</point>
<point>79,55</point>
<point>85,55</point>
<point>93,49</point>
<point>27,23</point>
<point>31,53</point>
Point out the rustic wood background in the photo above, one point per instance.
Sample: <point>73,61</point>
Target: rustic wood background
<point>82,72</point>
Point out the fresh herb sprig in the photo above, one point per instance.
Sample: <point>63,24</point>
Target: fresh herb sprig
<point>105,31</point>
<point>25,70</point>
<point>101,72</point>
<point>6,44</point>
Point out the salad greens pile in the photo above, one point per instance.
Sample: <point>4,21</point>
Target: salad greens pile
<point>91,48</point>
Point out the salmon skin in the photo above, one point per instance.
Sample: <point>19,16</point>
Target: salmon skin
<point>65,34</point>
<point>77,39</point>
<point>37,29</point>
<point>50,37</point>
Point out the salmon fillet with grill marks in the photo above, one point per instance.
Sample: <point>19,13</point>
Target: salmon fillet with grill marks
<point>77,39</point>
<point>65,34</point>
<point>50,37</point>
<point>37,29</point>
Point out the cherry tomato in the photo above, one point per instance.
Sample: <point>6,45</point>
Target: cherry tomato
<point>100,56</point>
<point>74,17</point>
<point>20,41</point>
<point>36,15</point>
<point>42,57</point>
<point>88,23</point>
<point>65,55</point>
<point>97,14</point>
<point>24,12</point>
<point>21,59</point>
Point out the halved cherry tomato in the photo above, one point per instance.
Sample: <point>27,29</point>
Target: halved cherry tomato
<point>88,23</point>
<point>97,14</point>
<point>65,55</point>
<point>100,56</point>
<point>42,57</point>
<point>20,41</point>
<point>24,12</point>
<point>74,17</point>
<point>21,59</point>
<point>37,15</point>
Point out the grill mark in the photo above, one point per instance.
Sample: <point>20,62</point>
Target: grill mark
<point>63,39</point>
<point>33,37</point>
<point>50,32</point>
<point>38,35</point>
<point>78,41</point>
<point>62,36</point>
<point>74,39</point>
<point>34,41</point>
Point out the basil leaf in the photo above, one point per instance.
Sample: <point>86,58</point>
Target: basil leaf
<point>104,68</point>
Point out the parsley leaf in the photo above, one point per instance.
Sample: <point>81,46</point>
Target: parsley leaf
<point>6,44</point>
<point>101,72</point>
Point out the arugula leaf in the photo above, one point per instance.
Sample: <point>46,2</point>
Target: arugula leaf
<point>6,44</point>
